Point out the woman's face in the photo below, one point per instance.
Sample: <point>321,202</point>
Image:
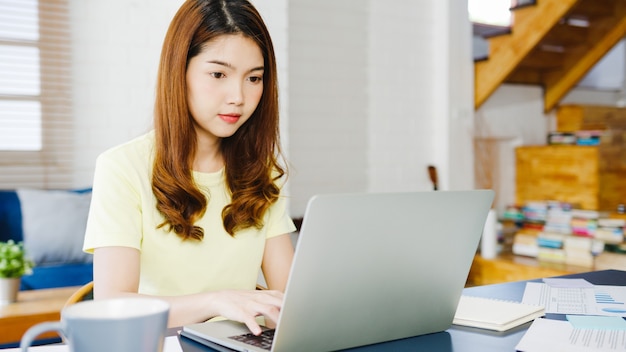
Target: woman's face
<point>224,85</point>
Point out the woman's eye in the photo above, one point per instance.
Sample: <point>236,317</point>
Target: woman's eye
<point>217,75</point>
<point>255,79</point>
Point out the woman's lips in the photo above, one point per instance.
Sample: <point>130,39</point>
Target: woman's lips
<point>229,118</point>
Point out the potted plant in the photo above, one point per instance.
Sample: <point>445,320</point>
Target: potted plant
<point>13,265</point>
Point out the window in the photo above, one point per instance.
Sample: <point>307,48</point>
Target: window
<point>20,107</point>
<point>35,94</point>
<point>490,12</point>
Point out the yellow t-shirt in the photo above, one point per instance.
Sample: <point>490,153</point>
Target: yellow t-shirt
<point>123,213</point>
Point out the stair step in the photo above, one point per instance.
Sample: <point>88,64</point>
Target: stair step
<point>517,4</point>
<point>480,48</point>
<point>489,30</point>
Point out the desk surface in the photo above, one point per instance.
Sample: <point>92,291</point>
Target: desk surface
<point>465,339</point>
<point>32,307</point>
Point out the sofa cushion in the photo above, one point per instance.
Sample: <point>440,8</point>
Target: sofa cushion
<point>10,216</point>
<point>63,275</point>
<point>53,225</point>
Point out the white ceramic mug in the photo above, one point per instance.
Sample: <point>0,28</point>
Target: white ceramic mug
<point>120,324</point>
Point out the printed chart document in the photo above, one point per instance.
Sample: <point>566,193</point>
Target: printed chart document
<point>493,314</point>
<point>547,335</point>
<point>583,300</point>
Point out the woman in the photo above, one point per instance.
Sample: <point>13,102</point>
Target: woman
<point>190,211</point>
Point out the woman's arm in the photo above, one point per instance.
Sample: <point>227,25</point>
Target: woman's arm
<point>277,260</point>
<point>116,274</point>
<point>276,265</point>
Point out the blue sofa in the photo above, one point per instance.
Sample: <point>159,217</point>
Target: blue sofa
<point>51,223</point>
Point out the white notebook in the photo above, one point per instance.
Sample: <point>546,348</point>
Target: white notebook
<point>494,314</point>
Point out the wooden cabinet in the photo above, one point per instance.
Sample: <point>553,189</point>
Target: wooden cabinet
<point>584,175</point>
<point>566,173</point>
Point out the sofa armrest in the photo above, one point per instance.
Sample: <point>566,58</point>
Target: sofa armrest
<point>10,217</point>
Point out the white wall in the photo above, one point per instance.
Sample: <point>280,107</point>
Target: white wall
<point>328,98</point>
<point>408,119</point>
<point>116,48</point>
<point>421,80</point>
<point>374,87</point>
<point>460,90</point>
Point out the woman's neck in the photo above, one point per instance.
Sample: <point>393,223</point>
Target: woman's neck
<point>208,157</point>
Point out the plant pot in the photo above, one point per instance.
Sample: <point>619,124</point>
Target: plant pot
<point>9,287</point>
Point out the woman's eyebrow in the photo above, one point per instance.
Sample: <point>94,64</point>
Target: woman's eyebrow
<point>227,64</point>
<point>218,62</point>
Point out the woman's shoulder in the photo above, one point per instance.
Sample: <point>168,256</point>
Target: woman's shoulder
<point>141,147</point>
<point>131,160</point>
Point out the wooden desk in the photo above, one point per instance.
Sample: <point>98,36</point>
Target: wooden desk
<point>509,267</point>
<point>32,307</point>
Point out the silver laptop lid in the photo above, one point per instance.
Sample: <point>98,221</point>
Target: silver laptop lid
<point>376,267</point>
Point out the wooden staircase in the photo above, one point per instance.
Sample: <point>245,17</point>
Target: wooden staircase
<point>553,44</point>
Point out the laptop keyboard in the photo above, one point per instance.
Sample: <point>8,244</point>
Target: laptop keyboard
<point>263,341</point>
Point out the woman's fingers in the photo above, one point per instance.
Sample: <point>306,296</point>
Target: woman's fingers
<point>245,306</point>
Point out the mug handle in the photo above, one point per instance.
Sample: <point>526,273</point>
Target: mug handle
<point>37,330</point>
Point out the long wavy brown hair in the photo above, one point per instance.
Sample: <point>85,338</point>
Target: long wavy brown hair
<point>251,155</point>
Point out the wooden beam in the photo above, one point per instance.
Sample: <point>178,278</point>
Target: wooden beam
<point>558,83</point>
<point>530,25</point>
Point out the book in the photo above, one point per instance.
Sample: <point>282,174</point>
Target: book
<point>494,314</point>
<point>525,244</point>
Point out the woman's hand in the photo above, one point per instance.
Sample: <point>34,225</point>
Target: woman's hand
<point>245,305</point>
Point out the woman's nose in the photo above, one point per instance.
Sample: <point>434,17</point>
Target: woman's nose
<point>235,93</point>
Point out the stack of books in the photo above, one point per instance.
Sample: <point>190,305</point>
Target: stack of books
<point>550,247</point>
<point>535,214</point>
<point>581,137</point>
<point>525,244</point>
<point>555,231</point>
<point>578,251</point>
<point>584,222</point>
<point>558,218</point>
<point>561,138</point>
<point>610,230</point>
<point>588,137</point>
<point>513,213</point>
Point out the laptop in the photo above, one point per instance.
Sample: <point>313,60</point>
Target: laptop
<point>369,268</point>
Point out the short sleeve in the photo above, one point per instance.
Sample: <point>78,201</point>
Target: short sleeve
<point>279,220</point>
<point>115,214</point>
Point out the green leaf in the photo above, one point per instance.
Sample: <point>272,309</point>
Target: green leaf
<point>14,262</point>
